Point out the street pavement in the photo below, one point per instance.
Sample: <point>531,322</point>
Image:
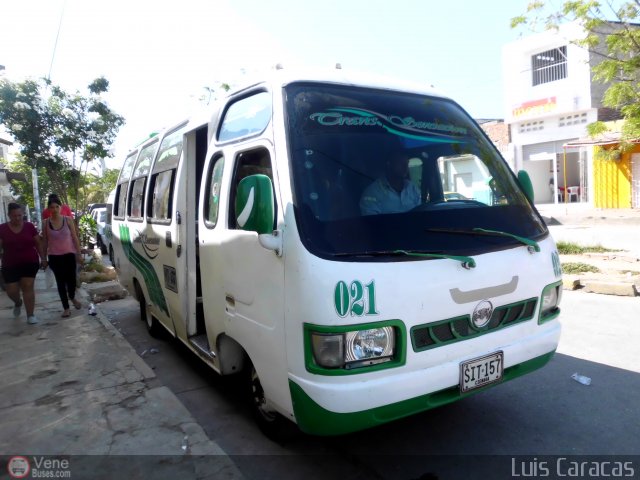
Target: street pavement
<point>74,388</point>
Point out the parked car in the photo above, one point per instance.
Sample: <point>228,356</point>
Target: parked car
<point>100,216</point>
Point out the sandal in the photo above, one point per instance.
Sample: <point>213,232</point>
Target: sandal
<point>66,314</point>
<point>77,304</point>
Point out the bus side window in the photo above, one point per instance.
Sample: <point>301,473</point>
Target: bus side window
<point>161,195</point>
<point>136,202</point>
<point>120,201</point>
<point>248,163</point>
<point>212,197</point>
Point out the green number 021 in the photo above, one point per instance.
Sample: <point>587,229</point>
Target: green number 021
<point>355,299</point>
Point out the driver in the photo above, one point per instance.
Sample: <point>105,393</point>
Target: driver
<point>392,193</point>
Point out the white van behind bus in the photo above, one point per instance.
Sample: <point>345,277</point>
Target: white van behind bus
<point>246,235</point>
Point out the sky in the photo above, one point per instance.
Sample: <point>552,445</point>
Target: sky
<point>159,56</point>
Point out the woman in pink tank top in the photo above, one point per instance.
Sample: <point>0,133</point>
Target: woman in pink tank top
<point>63,246</point>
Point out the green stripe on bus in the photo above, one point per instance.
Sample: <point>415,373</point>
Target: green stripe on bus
<point>316,420</point>
<point>145,268</point>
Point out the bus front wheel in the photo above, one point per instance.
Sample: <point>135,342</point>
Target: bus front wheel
<point>270,422</point>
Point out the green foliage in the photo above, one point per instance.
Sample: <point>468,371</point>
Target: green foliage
<point>97,188</point>
<point>578,267</point>
<point>59,131</point>
<point>211,94</point>
<point>87,230</point>
<point>26,116</point>
<point>569,248</point>
<point>613,36</point>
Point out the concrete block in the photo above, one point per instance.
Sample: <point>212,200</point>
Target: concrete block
<point>570,282</point>
<point>99,292</point>
<point>626,289</point>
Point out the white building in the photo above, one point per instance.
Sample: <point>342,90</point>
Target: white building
<point>549,100</point>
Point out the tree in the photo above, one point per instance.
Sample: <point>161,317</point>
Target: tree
<point>612,34</point>
<point>97,188</point>
<point>85,127</point>
<point>61,133</point>
<point>205,99</point>
<point>27,117</point>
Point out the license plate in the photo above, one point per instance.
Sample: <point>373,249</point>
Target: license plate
<point>481,371</point>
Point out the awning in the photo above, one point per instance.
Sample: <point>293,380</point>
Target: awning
<point>608,138</point>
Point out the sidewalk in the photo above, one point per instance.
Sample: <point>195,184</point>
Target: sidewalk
<point>582,213</point>
<point>616,229</point>
<point>74,386</point>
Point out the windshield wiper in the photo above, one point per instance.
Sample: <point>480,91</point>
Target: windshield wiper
<point>467,262</point>
<point>532,244</point>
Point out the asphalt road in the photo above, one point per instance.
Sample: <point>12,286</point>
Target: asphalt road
<point>503,432</point>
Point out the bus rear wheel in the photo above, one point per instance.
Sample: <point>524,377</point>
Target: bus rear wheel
<point>152,324</point>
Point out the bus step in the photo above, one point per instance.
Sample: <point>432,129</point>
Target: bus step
<point>201,344</point>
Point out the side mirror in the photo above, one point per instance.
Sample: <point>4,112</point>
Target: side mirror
<point>254,204</point>
<point>525,184</point>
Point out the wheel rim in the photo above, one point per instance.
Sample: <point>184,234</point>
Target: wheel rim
<point>259,401</point>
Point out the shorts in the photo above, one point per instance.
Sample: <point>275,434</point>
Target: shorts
<point>15,273</point>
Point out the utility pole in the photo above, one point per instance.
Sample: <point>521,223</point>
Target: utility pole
<point>36,195</point>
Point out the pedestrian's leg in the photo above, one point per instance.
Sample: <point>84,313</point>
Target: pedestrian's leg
<point>71,280</point>
<point>28,294</point>
<point>56,263</point>
<point>13,292</point>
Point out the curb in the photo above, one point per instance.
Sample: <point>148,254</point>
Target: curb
<point>603,287</point>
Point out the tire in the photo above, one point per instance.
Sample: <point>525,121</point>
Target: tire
<point>153,327</point>
<point>111,255</point>
<point>272,424</point>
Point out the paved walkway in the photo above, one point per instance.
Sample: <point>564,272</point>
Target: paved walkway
<point>618,229</point>
<point>74,386</point>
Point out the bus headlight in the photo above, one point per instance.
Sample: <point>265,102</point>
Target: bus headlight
<point>551,296</point>
<point>328,350</point>
<point>353,348</point>
<point>365,345</point>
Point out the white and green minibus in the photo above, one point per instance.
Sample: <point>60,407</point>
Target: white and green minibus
<point>276,240</point>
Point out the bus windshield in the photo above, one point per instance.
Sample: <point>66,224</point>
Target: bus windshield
<point>377,172</point>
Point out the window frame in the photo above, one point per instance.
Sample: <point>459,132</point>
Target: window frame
<point>542,73</point>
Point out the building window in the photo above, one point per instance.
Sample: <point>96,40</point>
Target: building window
<point>576,119</point>
<point>549,66</point>
<point>531,126</point>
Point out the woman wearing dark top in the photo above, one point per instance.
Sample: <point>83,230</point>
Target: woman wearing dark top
<point>22,256</point>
